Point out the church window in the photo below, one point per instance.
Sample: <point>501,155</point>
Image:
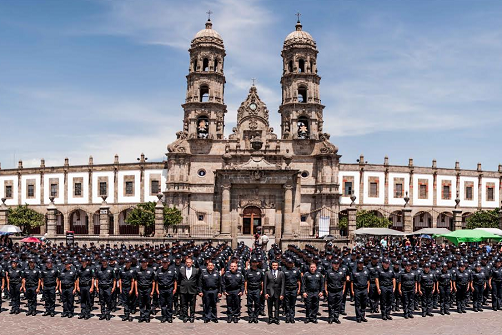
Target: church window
<point>305,174</point>
<point>205,64</point>
<point>8,192</point>
<point>290,66</point>
<point>301,66</point>
<point>204,93</point>
<point>201,173</point>
<point>155,187</point>
<point>215,65</point>
<point>302,94</point>
<point>303,128</point>
<point>311,66</point>
<point>202,127</point>
<point>304,218</point>
<point>195,65</point>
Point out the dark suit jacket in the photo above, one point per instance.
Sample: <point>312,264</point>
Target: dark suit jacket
<point>274,287</point>
<point>189,286</point>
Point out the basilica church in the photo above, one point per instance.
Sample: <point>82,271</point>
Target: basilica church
<point>287,183</point>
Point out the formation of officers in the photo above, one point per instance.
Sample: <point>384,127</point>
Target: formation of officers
<point>168,278</point>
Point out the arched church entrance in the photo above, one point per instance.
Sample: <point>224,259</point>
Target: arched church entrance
<point>251,223</point>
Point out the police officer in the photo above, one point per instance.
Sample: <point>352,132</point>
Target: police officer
<point>478,285</point>
<point>233,289</point>
<point>335,284</point>
<point>426,289</point>
<point>126,281</point>
<point>104,284</point>
<point>360,286</point>
<point>145,287</point>
<point>48,278</point>
<point>31,286</point>
<point>177,297</point>
<point>253,288</point>
<point>210,291</point>
<point>444,286</point>
<point>407,288</point>
<point>495,284</point>
<point>373,295</point>
<point>461,285</point>
<point>85,276</point>
<point>67,287</point>
<point>312,288</point>
<point>292,281</point>
<point>14,279</point>
<point>2,285</point>
<point>386,286</point>
<point>166,286</point>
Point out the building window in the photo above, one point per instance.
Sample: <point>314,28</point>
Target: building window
<point>305,174</point>
<point>54,190</point>
<point>290,66</point>
<point>373,190</point>
<point>446,192</point>
<point>155,186</point>
<point>78,189</point>
<point>468,193</point>
<point>348,189</point>
<point>102,188</point>
<point>204,93</point>
<point>200,217</point>
<point>399,190</point>
<point>490,194</point>
<point>31,191</point>
<point>8,192</point>
<point>303,128</point>
<point>201,173</point>
<point>423,192</point>
<point>302,94</point>
<point>301,66</point>
<point>205,64</point>
<point>129,188</point>
<point>304,218</point>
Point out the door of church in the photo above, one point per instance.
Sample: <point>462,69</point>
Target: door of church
<point>251,220</point>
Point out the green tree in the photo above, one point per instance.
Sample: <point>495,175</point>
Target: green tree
<point>483,219</point>
<point>343,222</point>
<point>368,219</point>
<point>144,215</point>
<point>25,218</point>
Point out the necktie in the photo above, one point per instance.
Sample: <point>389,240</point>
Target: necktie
<point>275,275</point>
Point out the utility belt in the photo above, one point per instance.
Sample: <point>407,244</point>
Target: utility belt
<point>166,287</point>
<point>334,290</point>
<point>68,286</point>
<point>254,288</point>
<point>291,288</point>
<point>104,287</point>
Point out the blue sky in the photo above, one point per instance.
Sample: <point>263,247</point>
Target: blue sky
<point>420,79</point>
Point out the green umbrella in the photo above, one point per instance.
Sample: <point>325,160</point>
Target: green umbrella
<point>468,235</point>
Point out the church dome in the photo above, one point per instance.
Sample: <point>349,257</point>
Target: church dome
<point>299,37</point>
<point>208,34</point>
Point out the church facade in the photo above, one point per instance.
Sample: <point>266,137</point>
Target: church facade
<point>288,184</point>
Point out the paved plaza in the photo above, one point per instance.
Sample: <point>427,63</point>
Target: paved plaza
<point>488,322</point>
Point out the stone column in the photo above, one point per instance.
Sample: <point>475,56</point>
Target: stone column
<point>159,217</point>
<point>351,225</point>
<point>457,219</point>
<point>51,218</point>
<point>288,211</point>
<point>4,213</point>
<point>407,221</point>
<point>226,219</point>
<point>104,218</point>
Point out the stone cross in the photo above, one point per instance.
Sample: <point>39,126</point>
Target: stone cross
<point>298,16</point>
<point>209,15</point>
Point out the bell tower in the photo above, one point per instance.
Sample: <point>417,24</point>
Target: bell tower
<point>301,109</point>
<point>204,104</point>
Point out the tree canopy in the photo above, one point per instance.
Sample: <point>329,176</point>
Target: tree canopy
<point>25,218</point>
<point>144,215</point>
<point>483,219</point>
<point>366,219</point>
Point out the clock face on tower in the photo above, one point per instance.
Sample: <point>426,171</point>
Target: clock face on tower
<point>253,106</point>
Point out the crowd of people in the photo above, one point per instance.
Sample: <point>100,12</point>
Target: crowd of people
<point>168,279</point>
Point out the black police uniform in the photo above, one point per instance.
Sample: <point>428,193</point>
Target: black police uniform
<point>15,278</point>
<point>210,286</point>
<point>373,296</point>
<point>291,278</point>
<point>49,278</point>
<point>2,280</point>
<point>360,280</point>
<point>165,280</point>
<point>85,276</point>
<point>67,279</point>
<point>478,283</point>
<point>386,281</point>
<point>335,280</point>
<point>31,278</point>
<point>312,285</point>
<point>145,278</point>
<point>444,279</point>
<point>496,282</point>
<point>126,276</point>
<point>254,280</point>
<point>106,279</point>
<point>462,280</point>
<point>232,285</point>
<point>408,280</point>
<point>427,283</point>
